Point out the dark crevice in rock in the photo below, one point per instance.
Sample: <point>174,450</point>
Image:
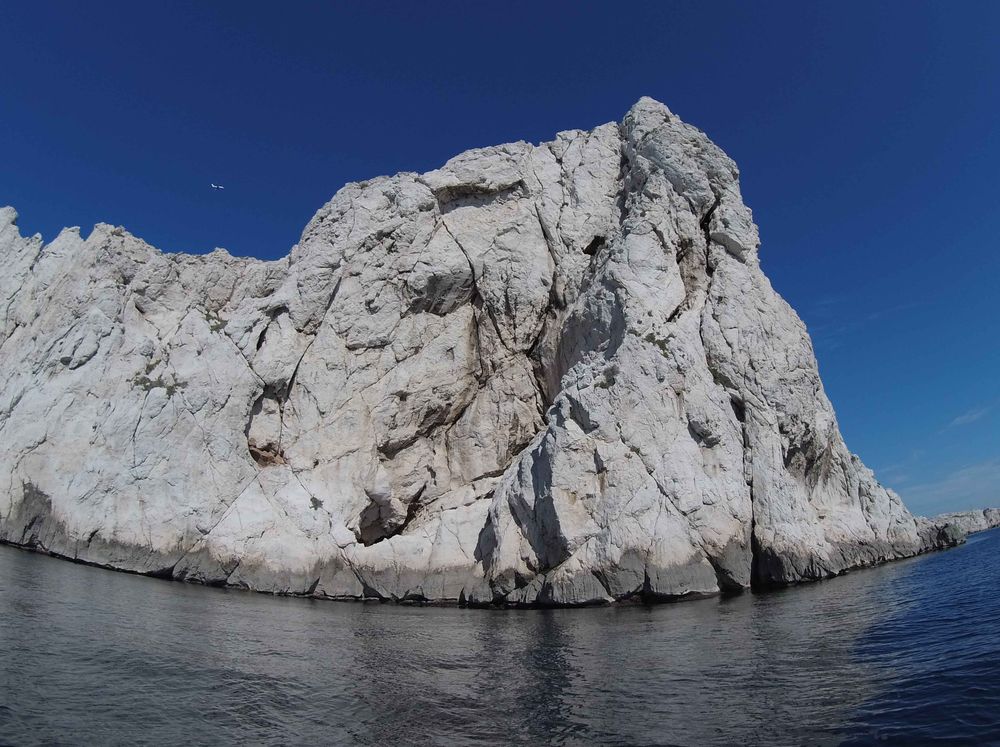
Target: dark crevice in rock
<point>602,579</point>
<point>367,590</point>
<point>390,448</point>
<point>411,510</point>
<point>692,266</point>
<point>476,195</point>
<point>707,217</point>
<point>740,412</point>
<point>595,246</point>
<point>433,419</point>
<point>761,564</point>
<point>476,293</point>
<point>378,521</point>
<point>675,314</point>
<point>724,577</point>
<point>624,173</point>
<point>545,397</point>
<point>539,523</point>
<point>705,227</point>
<point>270,452</point>
<point>702,435</point>
<point>487,541</point>
<point>165,573</point>
<point>551,316</point>
<point>272,314</point>
<point>37,504</point>
<point>326,312</point>
<point>758,559</point>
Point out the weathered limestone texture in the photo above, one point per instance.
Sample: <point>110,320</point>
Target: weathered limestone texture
<point>970,522</point>
<point>547,374</point>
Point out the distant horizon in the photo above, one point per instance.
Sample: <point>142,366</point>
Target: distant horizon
<point>864,138</point>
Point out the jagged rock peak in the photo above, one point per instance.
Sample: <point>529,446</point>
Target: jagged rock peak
<point>547,374</point>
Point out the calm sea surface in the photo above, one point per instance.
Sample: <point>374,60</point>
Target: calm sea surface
<point>908,653</point>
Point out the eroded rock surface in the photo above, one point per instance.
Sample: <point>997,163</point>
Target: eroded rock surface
<point>970,522</point>
<point>547,374</point>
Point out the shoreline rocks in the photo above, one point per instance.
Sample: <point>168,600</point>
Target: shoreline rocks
<point>539,375</point>
<point>970,522</point>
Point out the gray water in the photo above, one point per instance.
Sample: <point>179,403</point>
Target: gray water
<point>905,653</point>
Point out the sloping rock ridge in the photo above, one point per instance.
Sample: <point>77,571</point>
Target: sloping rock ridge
<point>547,374</point>
<point>970,522</point>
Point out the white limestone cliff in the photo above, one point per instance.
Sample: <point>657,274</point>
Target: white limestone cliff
<point>971,522</point>
<point>547,374</point>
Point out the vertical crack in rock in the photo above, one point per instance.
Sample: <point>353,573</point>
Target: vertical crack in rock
<point>272,315</point>
<point>477,295</point>
<point>737,404</point>
<point>705,224</point>
<point>265,427</point>
<point>739,411</point>
<point>549,315</point>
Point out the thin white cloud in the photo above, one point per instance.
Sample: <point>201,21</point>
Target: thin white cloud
<point>973,486</point>
<point>971,416</point>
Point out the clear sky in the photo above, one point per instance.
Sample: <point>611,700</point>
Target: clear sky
<point>866,133</point>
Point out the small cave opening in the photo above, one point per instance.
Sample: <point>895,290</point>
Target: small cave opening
<point>596,244</point>
<point>739,409</point>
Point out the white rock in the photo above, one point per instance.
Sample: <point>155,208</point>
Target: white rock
<point>970,522</point>
<point>546,374</point>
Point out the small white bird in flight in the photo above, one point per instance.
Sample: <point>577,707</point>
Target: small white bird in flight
<point>217,186</point>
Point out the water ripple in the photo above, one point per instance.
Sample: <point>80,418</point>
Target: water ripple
<point>908,653</point>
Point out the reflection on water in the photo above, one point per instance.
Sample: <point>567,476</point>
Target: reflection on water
<point>908,651</point>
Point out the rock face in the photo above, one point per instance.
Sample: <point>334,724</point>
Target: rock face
<point>971,522</point>
<point>547,374</point>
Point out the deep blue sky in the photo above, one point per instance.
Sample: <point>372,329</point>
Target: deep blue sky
<point>865,133</point>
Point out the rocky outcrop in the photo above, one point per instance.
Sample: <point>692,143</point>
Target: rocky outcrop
<point>547,374</point>
<point>970,522</point>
